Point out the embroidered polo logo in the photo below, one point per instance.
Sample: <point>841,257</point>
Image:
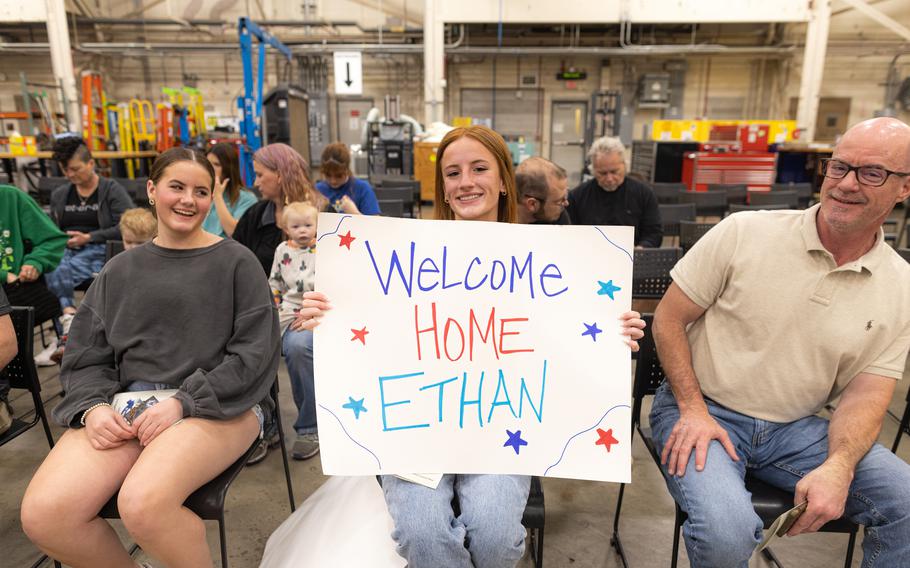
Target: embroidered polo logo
<point>869,325</point>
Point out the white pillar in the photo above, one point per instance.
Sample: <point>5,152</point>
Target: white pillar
<point>813,69</point>
<point>433,63</point>
<point>62,60</point>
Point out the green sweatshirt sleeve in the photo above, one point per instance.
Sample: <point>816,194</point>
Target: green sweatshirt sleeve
<point>48,242</point>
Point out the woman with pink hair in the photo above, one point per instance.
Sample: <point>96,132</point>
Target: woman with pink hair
<point>283,177</point>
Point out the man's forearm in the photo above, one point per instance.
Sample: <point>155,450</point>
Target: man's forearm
<point>854,427</point>
<point>676,360</point>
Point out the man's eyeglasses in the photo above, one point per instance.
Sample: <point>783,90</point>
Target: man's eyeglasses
<point>872,176</point>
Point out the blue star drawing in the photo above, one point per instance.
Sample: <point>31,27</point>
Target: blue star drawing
<point>592,330</point>
<point>356,406</point>
<point>607,289</point>
<point>515,441</point>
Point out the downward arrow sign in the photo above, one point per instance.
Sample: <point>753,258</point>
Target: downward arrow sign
<point>348,81</point>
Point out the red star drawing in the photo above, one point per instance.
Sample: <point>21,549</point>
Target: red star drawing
<point>346,240</point>
<point>606,438</point>
<point>360,334</point>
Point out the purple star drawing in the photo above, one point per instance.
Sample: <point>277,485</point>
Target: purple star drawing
<point>515,441</point>
<point>592,330</point>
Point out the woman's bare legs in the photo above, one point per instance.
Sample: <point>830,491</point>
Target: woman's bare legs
<point>60,507</point>
<point>180,460</point>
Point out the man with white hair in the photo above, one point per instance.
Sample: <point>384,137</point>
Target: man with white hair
<point>611,198</point>
<point>771,316</point>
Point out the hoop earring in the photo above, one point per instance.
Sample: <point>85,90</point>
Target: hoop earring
<point>502,193</point>
<point>446,199</point>
<point>151,202</point>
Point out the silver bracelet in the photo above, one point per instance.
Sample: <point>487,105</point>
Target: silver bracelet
<point>91,408</point>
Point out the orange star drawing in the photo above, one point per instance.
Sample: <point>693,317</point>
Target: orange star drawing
<point>360,334</point>
<point>606,438</point>
<point>346,240</point>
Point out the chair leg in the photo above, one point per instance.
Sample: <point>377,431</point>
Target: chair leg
<point>905,423</point>
<point>39,409</point>
<point>851,544</point>
<point>538,562</point>
<point>677,528</point>
<point>769,555</point>
<point>284,455</point>
<point>224,557</point>
<point>614,540</point>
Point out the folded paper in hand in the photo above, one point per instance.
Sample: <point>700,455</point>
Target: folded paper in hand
<point>781,525</point>
<point>131,404</point>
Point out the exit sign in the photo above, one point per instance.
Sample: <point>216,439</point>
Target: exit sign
<point>571,75</point>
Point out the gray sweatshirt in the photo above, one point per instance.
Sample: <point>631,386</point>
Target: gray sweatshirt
<point>201,320</point>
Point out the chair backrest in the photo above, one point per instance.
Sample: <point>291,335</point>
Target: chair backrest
<point>905,253</point>
<point>391,207</point>
<point>736,192</point>
<point>46,186</point>
<point>767,207</point>
<point>21,372</point>
<point>672,213</point>
<point>690,232</point>
<point>648,372</point>
<point>788,197</point>
<point>668,192</point>
<point>651,271</point>
<point>713,203</point>
<point>403,194</point>
<point>112,249</point>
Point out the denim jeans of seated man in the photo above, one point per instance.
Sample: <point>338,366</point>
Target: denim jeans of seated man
<point>723,529</point>
<point>297,347</point>
<point>487,534</point>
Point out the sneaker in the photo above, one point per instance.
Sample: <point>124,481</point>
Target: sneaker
<point>262,450</point>
<point>65,321</point>
<point>305,446</point>
<point>6,419</point>
<point>43,359</point>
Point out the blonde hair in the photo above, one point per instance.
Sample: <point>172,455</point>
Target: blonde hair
<point>493,142</point>
<point>140,223</point>
<point>300,208</point>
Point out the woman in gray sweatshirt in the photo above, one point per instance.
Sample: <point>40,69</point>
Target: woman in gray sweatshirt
<point>187,311</point>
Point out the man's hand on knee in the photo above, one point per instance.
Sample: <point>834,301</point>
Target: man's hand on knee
<point>825,488</point>
<point>693,430</point>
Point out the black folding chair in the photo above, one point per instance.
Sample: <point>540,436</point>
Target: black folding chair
<point>803,190</point>
<point>667,192</point>
<point>412,201</point>
<point>403,194</point>
<point>690,232</point>
<point>736,193</point>
<point>651,271</point>
<point>707,203</point>
<point>22,374</point>
<point>905,253</point>
<point>46,186</point>
<point>904,427</point>
<point>207,502</point>
<point>769,502</point>
<point>767,207</point>
<point>112,249</point>
<point>672,213</point>
<point>391,207</point>
<point>790,198</point>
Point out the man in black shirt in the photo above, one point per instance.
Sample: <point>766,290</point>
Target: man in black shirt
<point>611,198</point>
<point>543,188</point>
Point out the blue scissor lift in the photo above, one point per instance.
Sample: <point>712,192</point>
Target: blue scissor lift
<point>250,105</point>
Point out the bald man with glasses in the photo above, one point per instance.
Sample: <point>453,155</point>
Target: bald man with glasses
<point>771,316</point>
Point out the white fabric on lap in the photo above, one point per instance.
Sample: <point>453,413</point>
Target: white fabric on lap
<point>344,523</point>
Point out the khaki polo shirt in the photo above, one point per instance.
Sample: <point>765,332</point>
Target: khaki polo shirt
<point>785,329</point>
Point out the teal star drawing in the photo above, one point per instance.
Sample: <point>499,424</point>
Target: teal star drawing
<point>607,289</point>
<point>356,406</point>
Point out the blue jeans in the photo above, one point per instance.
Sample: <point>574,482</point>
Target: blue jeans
<point>487,534</point>
<point>77,266</point>
<point>723,529</point>
<point>297,347</point>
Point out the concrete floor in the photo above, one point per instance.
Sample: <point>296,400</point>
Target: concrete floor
<point>579,517</point>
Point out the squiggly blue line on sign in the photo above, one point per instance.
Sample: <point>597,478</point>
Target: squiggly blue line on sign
<point>340,221</point>
<point>614,244</point>
<point>582,432</point>
<point>351,437</point>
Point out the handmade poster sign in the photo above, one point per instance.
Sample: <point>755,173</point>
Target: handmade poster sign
<point>473,347</point>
